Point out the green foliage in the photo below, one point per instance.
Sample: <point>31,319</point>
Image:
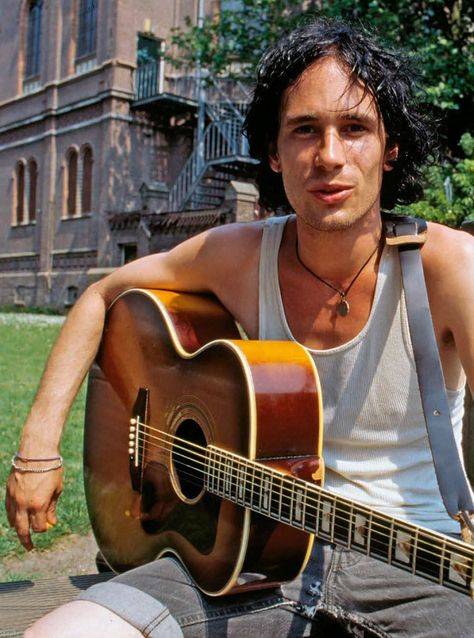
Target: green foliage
<point>25,345</point>
<point>439,32</point>
<point>457,176</point>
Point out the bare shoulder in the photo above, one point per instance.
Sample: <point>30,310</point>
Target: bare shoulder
<point>448,261</point>
<point>448,256</point>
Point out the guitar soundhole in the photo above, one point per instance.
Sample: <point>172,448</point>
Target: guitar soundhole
<point>188,456</point>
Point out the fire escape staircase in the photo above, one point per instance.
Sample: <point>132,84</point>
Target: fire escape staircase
<point>220,155</point>
<point>220,152</point>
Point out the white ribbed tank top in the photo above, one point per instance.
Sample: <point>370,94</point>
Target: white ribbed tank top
<point>376,448</point>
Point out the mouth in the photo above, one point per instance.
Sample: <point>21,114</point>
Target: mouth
<point>332,193</point>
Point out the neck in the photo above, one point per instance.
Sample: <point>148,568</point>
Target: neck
<point>337,254</point>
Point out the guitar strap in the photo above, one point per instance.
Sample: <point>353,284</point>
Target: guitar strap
<point>409,234</point>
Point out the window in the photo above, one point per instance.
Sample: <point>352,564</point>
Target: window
<point>33,180</point>
<point>20,193</point>
<point>33,39</point>
<point>86,186</point>
<point>78,181</point>
<point>71,183</point>
<point>25,192</point>
<point>72,294</point>
<point>87,32</point>
<point>128,252</point>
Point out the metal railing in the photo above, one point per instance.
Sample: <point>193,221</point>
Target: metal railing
<point>221,141</point>
<point>157,78</point>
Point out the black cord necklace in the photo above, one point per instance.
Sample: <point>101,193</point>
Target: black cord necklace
<point>343,306</point>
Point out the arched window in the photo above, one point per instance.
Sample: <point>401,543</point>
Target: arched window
<point>71,182</point>
<point>86,185</point>
<point>33,181</point>
<point>33,39</point>
<point>87,31</point>
<point>20,193</point>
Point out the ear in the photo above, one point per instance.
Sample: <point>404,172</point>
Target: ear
<point>274,159</point>
<point>391,156</point>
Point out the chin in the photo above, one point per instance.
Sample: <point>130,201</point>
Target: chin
<point>329,221</point>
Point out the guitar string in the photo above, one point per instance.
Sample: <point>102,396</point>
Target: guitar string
<point>439,565</point>
<point>350,519</point>
<point>292,480</point>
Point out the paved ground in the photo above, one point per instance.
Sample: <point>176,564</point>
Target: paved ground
<point>72,556</point>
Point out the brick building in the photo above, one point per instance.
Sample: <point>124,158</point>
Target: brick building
<point>98,147</point>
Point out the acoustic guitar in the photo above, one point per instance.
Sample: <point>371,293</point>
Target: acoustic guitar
<point>208,446</point>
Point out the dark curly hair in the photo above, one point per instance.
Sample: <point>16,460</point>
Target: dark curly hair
<point>386,74</point>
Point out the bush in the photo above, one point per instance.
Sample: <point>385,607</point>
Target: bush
<point>449,190</point>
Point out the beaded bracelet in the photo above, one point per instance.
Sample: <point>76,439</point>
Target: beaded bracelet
<point>36,470</point>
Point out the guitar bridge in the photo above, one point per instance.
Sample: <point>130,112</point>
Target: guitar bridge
<point>136,442</point>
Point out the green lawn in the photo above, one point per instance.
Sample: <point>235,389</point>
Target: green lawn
<point>24,344</point>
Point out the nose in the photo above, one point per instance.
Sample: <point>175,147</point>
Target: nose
<point>330,153</point>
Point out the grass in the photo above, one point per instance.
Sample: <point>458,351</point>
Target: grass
<point>25,343</point>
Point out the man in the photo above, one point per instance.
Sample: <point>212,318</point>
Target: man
<point>339,133</point>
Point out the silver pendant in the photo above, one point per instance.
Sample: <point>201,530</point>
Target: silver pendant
<point>343,308</point>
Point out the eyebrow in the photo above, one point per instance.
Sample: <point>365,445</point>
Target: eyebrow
<point>304,118</point>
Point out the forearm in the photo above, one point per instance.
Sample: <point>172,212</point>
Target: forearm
<point>67,365</point>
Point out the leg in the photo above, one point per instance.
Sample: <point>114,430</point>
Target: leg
<point>82,619</point>
<point>160,601</point>
<point>372,596</point>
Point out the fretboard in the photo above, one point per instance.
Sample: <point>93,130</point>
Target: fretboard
<point>338,520</point>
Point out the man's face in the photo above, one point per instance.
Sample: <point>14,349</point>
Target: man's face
<point>331,148</point>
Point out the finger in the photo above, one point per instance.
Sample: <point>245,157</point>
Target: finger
<point>9,508</point>
<point>22,527</point>
<point>38,521</point>
<point>51,517</point>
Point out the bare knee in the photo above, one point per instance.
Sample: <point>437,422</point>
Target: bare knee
<point>81,619</point>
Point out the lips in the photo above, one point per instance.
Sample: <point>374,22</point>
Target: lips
<point>332,193</point>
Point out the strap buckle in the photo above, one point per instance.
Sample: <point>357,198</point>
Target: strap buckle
<point>401,230</point>
<point>467,526</point>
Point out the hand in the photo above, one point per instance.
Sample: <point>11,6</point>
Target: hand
<point>31,502</point>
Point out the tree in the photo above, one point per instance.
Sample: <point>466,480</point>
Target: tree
<point>440,32</point>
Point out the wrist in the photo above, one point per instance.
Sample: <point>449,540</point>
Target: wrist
<point>36,465</point>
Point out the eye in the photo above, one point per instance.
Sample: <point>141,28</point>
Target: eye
<point>354,128</point>
<point>304,129</point>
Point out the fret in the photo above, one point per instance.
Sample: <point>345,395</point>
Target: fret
<point>275,498</point>
<point>249,485</point>
<point>241,478</point>
<point>298,509</point>
<point>350,526</point>
<point>402,549</point>
<point>311,511</point>
<point>341,524</point>
<point>459,570</point>
<point>265,497</point>
<point>442,564</point>
<point>286,506</point>
<point>429,557</point>
<point>380,538</point>
<point>262,496</point>
<point>324,520</point>
<point>291,507</point>
<point>390,542</point>
<point>360,531</point>
<point>227,482</point>
<point>414,553</point>
<point>369,533</point>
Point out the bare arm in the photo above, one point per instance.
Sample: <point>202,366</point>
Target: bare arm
<point>449,269</point>
<point>202,264</point>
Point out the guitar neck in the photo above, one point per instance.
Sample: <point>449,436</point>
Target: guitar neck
<point>335,519</point>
